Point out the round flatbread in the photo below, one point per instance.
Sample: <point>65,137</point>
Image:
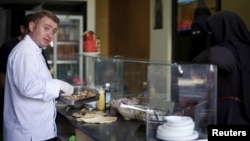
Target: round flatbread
<point>98,119</point>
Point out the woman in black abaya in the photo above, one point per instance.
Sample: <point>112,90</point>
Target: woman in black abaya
<point>230,51</point>
<point>199,36</point>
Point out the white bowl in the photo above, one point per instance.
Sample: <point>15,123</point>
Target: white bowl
<point>189,126</point>
<point>178,119</point>
<point>173,132</point>
<point>191,137</point>
<point>144,116</point>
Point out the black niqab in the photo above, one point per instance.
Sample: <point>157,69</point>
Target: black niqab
<point>199,36</point>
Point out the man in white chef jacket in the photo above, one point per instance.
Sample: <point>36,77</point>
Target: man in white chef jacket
<point>30,90</point>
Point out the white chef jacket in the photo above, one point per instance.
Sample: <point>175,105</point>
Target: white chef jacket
<point>29,98</point>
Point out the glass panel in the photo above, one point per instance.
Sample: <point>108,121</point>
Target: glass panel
<point>184,91</point>
<point>188,10</point>
<point>179,90</point>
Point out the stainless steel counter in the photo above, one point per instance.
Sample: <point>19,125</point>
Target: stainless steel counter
<point>120,130</point>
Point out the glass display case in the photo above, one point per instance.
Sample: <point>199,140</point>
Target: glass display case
<point>176,90</point>
<point>191,92</point>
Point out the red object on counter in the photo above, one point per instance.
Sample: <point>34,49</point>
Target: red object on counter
<point>89,36</point>
<point>89,46</point>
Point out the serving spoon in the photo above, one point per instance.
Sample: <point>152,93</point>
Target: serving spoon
<point>135,108</point>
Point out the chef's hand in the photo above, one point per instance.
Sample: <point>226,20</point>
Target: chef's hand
<point>66,88</point>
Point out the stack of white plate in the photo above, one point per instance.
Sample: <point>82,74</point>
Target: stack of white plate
<point>177,128</point>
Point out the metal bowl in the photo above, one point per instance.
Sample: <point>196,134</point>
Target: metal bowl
<point>158,116</point>
<point>129,113</point>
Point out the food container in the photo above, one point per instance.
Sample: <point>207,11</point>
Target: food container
<point>130,113</point>
<point>80,96</point>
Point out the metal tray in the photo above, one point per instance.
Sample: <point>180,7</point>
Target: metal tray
<point>80,101</point>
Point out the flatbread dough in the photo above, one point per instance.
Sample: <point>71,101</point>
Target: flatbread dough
<point>87,116</point>
<point>83,113</point>
<point>98,119</point>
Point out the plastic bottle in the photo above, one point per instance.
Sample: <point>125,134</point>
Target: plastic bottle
<point>101,101</point>
<point>145,92</point>
<point>107,95</point>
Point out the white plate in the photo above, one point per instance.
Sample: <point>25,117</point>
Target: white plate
<point>178,119</point>
<point>173,127</point>
<point>179,124</point>
<point>170,132</point>
<point>194,136</point>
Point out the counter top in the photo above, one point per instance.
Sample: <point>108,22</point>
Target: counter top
<point>120,130</point>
